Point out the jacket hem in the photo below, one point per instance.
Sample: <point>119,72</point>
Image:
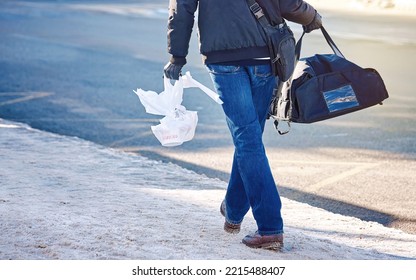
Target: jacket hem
<point>235,55</point>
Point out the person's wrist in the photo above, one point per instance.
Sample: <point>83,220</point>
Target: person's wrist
<point>178,60</point>
<point>316,23</point>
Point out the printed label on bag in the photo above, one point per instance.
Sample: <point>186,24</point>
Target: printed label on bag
<point>340,99</point>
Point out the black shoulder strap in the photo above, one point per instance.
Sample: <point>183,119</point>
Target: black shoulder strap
<point>258,12</point>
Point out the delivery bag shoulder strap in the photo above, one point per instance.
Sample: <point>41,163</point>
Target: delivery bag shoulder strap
<point>280,41</point>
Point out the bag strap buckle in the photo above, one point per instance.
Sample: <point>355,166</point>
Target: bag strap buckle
<point>257,10</point>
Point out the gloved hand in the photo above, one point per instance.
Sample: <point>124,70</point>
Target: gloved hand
<point>172,71</point>
<point>315,24</point>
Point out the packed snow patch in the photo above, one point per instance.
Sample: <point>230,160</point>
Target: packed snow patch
<point>65,198</point>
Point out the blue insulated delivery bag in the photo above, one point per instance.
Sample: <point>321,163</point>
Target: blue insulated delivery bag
<point>324,86</point>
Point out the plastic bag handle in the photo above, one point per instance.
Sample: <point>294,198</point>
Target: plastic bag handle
<point>191,82</point>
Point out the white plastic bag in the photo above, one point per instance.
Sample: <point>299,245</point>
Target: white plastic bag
<point>173,131</point>
<point>165,102</point>
<point>179,124</point>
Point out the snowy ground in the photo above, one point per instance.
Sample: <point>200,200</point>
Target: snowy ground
<point>65,198</point>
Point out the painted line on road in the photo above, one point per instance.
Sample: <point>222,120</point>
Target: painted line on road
<point>342,176</point>
<point>310,162</point>
<point>26,96</point>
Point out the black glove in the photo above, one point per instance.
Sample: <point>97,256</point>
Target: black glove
<point>172,71</point>
<point>316,23</point>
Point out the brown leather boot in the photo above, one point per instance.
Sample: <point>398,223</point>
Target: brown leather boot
<point>272,242</point>
<point>229,227</point>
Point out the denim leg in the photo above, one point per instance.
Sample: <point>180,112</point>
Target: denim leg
<point>236,199</point>
<point>246,92</point>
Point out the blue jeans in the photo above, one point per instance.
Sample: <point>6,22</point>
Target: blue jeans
<point>246,92</point>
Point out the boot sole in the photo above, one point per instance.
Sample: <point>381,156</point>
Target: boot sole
<point>231,230</point>
<point>275,246</point>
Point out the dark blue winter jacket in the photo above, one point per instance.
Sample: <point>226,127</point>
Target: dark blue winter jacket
<point>227,29</point>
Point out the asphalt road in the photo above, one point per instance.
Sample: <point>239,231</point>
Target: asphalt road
<point>70,67</point>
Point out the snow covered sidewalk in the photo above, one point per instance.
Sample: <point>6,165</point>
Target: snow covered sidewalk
<point>65,198</point>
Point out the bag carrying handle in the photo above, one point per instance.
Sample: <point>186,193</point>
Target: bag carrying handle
<point>328,39</point>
